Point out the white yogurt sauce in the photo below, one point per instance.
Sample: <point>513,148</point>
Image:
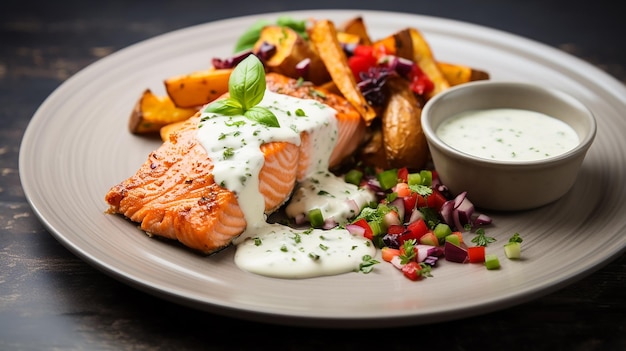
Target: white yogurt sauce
<point>233,143</point>
<point>282,252</point>
<point>337,199</point>
<point>506,134</point>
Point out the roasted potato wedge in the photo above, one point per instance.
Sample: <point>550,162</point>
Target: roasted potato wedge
<point>323,35</point>
<point>458,74</point>
<point>347,38</point>
<point>357,27</point>
<point>396,139</point>
<point>403,138</point>
<point>291,49</point>
<point>197,88</point>
<point>412,45</point>
<point>151,112</point>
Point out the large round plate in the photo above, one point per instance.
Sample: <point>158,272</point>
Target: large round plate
<point>77,146</point>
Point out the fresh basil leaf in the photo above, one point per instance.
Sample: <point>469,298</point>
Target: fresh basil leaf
<point>262,115</point>
<point>247,82</point>
<point>228,107</point>
<point>250,36</point>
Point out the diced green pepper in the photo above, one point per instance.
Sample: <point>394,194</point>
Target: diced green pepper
<point>427,177</point>
<point>354,177</point>
<point>388,178</point>
<point>316,218</point>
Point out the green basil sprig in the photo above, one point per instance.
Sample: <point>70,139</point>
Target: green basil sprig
<point>246,87</point>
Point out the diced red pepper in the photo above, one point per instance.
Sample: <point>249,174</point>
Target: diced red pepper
<point>362,222</point>
<point>415,230</point>
<point>395,229</point>
<point>361,60</point>
<point>476,254</point>
<point>409,203</point>
<point>412,270</point>
<point>403,174</point>
<point>363,50</point>
<point>434,200</point>
<point>420,83</point>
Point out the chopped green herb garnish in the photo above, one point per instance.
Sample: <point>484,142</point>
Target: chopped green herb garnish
<point>368,264</point>
<point>516,238</point>
<point>481,239</point>
<point>408,251</point>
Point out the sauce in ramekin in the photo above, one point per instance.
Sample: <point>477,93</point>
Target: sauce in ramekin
<point>508,134</point>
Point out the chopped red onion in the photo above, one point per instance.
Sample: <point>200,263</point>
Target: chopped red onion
<point>355,229</point>
<point>302,67</point>
<point>455,253</point>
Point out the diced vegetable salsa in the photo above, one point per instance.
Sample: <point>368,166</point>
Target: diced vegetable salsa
<point>416,222</point>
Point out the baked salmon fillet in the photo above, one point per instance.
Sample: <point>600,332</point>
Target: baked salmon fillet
<point>173,194</point>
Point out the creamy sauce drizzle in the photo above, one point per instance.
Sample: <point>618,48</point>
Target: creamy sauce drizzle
<point>233,143</point>
<point>508,134</point>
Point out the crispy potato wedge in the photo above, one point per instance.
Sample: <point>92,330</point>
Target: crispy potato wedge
<point>403,138</point>
<point>412,45</point>
<point>357,27</point>
<point>151,112</point>
<point>323,35</point>
<point>458,74</point>
<point>347,38</point>
<point>291,49</point>
<point>397,139</point>
<point>197,88</point>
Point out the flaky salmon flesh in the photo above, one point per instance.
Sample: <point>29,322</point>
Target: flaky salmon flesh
<point>173,194</point>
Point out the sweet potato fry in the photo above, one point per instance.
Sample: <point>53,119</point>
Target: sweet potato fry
<point>357,27</point>
<point>458,74</point>
<point>291,49</point>
<point>197,88</point>
<point>412,45</point>
<point>151,112</point>
<point>323,35</point>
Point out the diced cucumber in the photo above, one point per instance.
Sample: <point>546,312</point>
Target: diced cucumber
<point>492,262</point>
<point>513,250</point>
<point>414,179</point>
<point>453,239</point>
<point>442,230</point>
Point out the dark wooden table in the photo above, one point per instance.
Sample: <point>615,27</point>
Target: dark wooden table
<point>51,300</point>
